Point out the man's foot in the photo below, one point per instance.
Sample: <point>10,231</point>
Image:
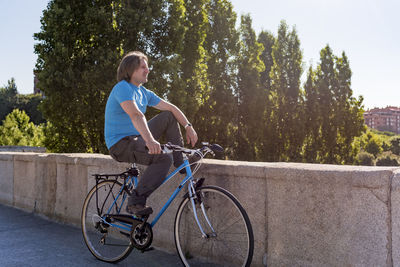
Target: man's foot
<point>139,210</point>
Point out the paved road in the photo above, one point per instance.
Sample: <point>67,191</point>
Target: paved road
<point>29,240</point>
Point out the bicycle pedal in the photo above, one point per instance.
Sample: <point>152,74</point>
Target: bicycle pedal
<point>146,249</point>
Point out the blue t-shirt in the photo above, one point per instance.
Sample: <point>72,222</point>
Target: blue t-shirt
<point>118,124</point>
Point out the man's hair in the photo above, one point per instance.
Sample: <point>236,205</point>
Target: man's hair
<point>129,63</point>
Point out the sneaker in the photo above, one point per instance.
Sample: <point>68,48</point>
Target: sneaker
<point>139,210</point>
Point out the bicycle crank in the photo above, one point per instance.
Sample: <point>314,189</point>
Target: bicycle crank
<point>141,236</point>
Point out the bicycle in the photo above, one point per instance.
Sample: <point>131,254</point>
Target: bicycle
<point>210,225</point>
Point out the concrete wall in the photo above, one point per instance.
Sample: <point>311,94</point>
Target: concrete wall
<point>302,214</point>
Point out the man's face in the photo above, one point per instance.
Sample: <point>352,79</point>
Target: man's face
<point>139,76</point>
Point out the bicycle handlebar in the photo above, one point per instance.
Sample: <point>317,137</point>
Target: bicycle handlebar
<point>207,148</point>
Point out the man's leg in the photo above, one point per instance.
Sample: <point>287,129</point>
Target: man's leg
<point>158,165</point>
<point>132,149</point>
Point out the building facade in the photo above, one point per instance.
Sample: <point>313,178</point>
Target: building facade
<point>383,119</point>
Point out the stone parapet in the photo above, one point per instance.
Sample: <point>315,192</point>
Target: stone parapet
<point>302,214</point>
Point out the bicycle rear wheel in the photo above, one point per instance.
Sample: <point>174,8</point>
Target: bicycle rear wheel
<point>106,242</point>
<point>230,244</point>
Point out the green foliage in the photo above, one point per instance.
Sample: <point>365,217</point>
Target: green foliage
<point>387,159</point>
<point>30,104</point>
<point>251,97</point>
<point>333,115</point>
<point>373,146</point>
<point>372,142</point>
<point>239,90</point>
<point>222,46</point>
<point>384,148</point>
<point>365,158</point>
<point>79,49</point>
<point>78,52</point>
<point>189,87</point>
<point>395,145</point>
<point>10,100</point>
<point>16,130</point>
<point>285,119</point>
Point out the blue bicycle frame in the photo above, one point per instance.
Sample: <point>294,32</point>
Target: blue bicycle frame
<point>133,179</point>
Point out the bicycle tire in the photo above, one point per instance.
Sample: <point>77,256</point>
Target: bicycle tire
<point>231,224</point>
<point>105,242</point>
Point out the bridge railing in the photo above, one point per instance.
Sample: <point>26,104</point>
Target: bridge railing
<point>302,214</point>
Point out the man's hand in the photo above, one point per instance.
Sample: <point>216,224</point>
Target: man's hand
<point>191,136</point>
<point>154,147</point>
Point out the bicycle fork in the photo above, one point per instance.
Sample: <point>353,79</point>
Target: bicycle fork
<point>193,196</point>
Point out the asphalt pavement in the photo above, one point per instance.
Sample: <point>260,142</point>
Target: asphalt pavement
<point>27,239</point>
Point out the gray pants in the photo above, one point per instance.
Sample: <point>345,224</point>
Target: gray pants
<point>132,149</point>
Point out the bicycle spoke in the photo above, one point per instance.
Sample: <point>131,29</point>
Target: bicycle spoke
<point>105,241</point>
<point>232,244</point>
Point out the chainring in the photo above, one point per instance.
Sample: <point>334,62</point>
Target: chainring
<point>141,239</point>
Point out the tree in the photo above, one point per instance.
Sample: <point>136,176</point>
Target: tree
<point>251,95</point>
<point>16,130</point>
<point>156,28</point>
<point>395,145</point>
<point>286,97</point>
<point>312,119</point>
<point>340,113</point>
<point>214,119</point>
<point>349,112</point>
<point>189,86</point>
<point>268,138</point>
<point>30,104</point>
<point>79,48</point>
<point>8,98</point>
<point>77,58</point>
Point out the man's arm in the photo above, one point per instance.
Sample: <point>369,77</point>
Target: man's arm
<point>191,135</point>
<point>139,121</point>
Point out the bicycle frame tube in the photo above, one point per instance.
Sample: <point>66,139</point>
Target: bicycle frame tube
<point>119,193</point>
<point>130,180</point>
<point>188,176</point>
<point>133,179</point>
<point>192,193</point>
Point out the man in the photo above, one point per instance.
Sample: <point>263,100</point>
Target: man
<point>128,133</point>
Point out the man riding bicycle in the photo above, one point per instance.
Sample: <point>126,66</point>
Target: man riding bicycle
<point>128,133</point>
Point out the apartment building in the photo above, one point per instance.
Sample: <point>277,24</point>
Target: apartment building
<point>383,119</point>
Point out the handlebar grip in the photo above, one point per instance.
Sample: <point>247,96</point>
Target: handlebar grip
<point>216,148</point>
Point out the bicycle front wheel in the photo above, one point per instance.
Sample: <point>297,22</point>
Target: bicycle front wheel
<point>108,240</point>
<point>229,237</point>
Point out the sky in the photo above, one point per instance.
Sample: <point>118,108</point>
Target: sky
<point>366,30</point>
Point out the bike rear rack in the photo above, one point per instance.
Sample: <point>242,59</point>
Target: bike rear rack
<point>132,171</point>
